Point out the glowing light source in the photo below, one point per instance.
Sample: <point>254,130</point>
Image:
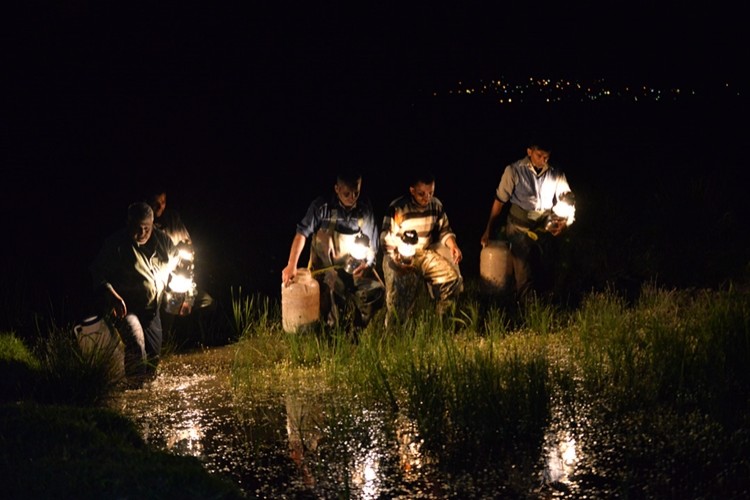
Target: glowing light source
<point>181,288</point>
<point>407,247</point>
<point>565,208</point>
<point>358,252</point>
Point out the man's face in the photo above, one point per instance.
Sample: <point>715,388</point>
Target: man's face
<point>422,193</point>
<point>159,203</point>
<point>348,195</point>
<point>141,231</point>
<point>538,157</point>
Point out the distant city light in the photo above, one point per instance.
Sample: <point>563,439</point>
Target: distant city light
<point>545,90</point>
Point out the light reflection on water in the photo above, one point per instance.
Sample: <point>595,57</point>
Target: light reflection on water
<point>297,445</point>
<point>292,443</point>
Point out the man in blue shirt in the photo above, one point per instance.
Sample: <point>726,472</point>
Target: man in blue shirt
<point>538,205</point>
<point>339,227</point>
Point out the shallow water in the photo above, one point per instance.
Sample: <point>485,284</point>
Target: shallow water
<point>302,445</point>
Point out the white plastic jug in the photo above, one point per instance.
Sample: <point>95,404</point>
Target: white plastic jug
<point>300,302</point>
<point>494,266</point>
<point>96,339</point>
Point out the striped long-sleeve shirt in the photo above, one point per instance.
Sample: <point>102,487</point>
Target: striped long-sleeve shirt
<point>430,222</point>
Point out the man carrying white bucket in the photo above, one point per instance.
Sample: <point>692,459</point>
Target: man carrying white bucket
<point>538,205</point>
<point>344,243</point>
<point>130,273</point>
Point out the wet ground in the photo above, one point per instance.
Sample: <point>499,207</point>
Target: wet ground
<point>297,445</point>
<point>287,445</point>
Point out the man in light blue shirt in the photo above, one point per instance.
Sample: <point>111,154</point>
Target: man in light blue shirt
<point>538,204</point>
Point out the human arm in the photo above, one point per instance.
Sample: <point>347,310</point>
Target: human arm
<point>290,271</point>
<point>447,235</point>
<point>389,238</point>
<point>495,211</point>
<point>119,307</point>
<point>104,270</point>
<point>455,250</point>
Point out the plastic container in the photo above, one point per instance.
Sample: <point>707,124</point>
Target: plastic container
<point>97,339</point>
<point>300,302</point>
<point>494,267</point>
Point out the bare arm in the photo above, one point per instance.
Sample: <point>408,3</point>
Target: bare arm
<point>119,308</point>
<point>290,271</point>
<point>497,208</point>
<point>455,251</point>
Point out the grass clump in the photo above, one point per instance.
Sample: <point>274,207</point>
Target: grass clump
<point>56,370</point>
<point>473,386</point>
<point>687,348</point>
<point>57,435</point>
<point>19,368</point>
<point>93,453</point>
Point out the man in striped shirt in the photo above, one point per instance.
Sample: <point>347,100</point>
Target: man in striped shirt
<point>436,254</point>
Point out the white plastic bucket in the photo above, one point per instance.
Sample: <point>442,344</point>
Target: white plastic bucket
<point>96,339</point>
<point>300,302</point>
<point>494,265</point>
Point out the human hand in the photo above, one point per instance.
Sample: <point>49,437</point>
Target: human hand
<point>557,227</point>
<point>360,269</point>
<point>119,308</point>
<point>485,239</point>
<point>456,254</point>
<point>288,274</point>
<point>185,309</point>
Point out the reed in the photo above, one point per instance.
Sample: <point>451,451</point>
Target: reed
<point>460,389</point>
<point>252,313</point>
<point>476,384</point>
<point>70,376</point>
<point>675,347</point>
<point>541,316</point>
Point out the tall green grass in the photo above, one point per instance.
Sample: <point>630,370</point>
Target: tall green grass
<point>55,370</point>
<point>252,313</point>
<point>678,347</point>
<point>477,384</point>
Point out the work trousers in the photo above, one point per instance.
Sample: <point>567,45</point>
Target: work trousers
<point>429,267</point>
<point>339,290</point>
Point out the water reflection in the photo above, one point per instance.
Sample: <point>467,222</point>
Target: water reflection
<point>409,447</point>
<point>302,443</point>
<point>187,409</point>
<point>308,444</point>
<point>561,451</point>
<point>303,425</point>
<point>185,438</point>
<point>561,458</point>
<point>365,477</point>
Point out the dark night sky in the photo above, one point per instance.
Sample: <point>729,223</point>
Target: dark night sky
<point>103,58</point>
<point>252,100</point>
<point>98,86</point>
